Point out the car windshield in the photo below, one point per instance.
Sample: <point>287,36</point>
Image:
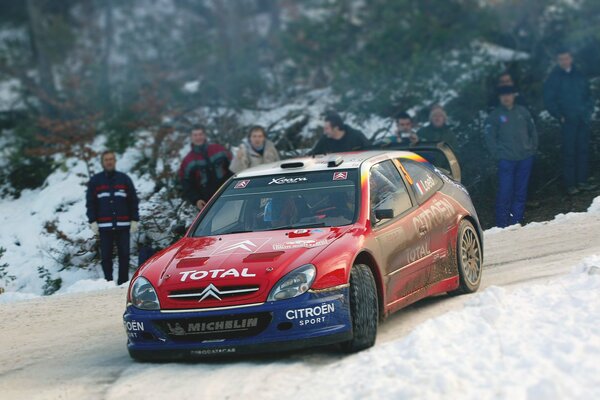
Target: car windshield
<point>289,201</point>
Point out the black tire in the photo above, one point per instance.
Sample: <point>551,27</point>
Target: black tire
<point>469,257</point>
<point>364,310</point>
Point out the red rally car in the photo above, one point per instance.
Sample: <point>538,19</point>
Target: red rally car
<point>306,252</point>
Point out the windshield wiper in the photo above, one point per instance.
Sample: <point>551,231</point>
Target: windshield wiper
<point>310,225</point>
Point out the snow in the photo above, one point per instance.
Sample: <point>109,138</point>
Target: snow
<point>10,97</point>
<point>537,341</point>
<point>593,209</point>
<point>62,200</point>
<point>531,332</point>
<point>89,285</point>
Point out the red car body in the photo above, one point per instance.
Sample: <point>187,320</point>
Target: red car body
<point>214,293</point>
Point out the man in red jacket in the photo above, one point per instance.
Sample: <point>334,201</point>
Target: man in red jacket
<point>204,169</point>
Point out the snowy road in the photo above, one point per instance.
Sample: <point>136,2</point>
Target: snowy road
<point>73,346</point>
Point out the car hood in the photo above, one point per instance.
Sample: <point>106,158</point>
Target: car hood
<point>229,270</point>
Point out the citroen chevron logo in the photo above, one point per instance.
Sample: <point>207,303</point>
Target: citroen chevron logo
<point>210,290</point>
<point>245,245</point>
<point>214,292</point>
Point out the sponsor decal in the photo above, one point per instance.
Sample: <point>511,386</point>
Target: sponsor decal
<point>246,246</point>
<point>310,315</point>
<point>196,275</point>
<point>424,185</point>
<point>296,244</point>
<point>418,252</point>
<point>284,180</point>
<point>436,213</point>
<point>134,326</point>
<point>241,184</point>
<point>208,352</point>
<point>340,176</point>
<point>193,328</point>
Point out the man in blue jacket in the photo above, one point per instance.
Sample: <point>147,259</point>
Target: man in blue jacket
<point>567,98</point>
<point>112,211</point>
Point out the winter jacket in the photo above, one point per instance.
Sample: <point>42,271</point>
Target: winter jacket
<point>111,201</point>
<point>352,140</point>
<point>203,170</point>
<point>432,133</point>
<point>248,157</point>
<point>567,94</point>
<point>511,134</point>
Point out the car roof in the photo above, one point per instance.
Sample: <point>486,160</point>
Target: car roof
<point>326,162</point>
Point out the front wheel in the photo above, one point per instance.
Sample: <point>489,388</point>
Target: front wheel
<point>364,309</point>
<point>469,258</point>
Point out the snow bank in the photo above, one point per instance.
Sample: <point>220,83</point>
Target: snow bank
<point>539,341</point>
<point>89,285</point>
<point>29,247</point>
<point>593,209</point>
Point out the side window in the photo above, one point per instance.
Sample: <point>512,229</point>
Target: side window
<point>387,190</point>
<point>424,181</point>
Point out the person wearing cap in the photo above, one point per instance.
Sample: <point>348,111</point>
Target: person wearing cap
<point>204,169</point>
<point>339,137</point>
<point>567,98</point>
<point>512,140</point>
<point>438,129</point>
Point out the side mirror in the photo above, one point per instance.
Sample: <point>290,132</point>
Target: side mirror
<point>179,230</point>
<point>386,213</point>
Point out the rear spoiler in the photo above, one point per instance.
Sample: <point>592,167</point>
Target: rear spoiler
<point>440,154</point>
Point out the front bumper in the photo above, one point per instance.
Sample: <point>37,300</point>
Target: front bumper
<point>311,319</point>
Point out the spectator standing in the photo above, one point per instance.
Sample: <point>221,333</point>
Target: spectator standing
<point>438,129</point>
<point>512,140</point>
<point>204,169</point>
<point>339,137</point>
<point>567,98</point>
<point>405,134</point>
<point>254,150</point>
<point>112,211</point>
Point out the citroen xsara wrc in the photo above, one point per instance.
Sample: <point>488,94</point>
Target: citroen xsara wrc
<point>306,252</point>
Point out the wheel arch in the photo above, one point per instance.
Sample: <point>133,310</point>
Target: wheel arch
<point>364,257</point>
<point>477,227</point>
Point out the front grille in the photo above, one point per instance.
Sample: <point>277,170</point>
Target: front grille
<point>211,328</point>
<point>212,292</point>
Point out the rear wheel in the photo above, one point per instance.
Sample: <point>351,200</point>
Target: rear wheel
<point>364,309</point>
<point>469,258</point>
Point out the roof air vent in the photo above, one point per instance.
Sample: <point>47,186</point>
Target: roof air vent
<point>294,164</point>
<point>334,162</point>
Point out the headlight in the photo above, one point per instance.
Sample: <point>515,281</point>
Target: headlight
<point>294,283</point>
<point>143,295</point>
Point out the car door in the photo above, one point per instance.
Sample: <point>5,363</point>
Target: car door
<point>402,249</point>
<point>435,218</point>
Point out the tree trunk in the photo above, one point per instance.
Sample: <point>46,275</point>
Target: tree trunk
<point>40,56</point>
<point>104,88</point>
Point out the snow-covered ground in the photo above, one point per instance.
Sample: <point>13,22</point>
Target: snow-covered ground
<point>530,333</point>
<point>536,342</point>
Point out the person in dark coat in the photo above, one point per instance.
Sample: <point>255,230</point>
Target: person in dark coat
<point>112,211</point>
<point>512,140</point>
<point>567,98</point>
<point>339,137</point>
<point>204,169</point>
